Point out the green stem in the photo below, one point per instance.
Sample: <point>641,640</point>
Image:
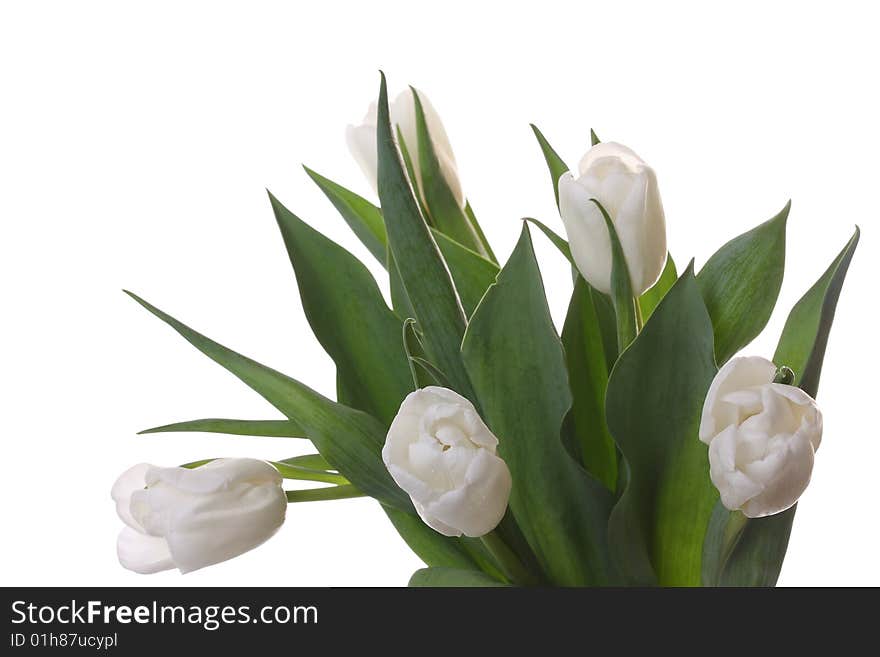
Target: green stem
<point>736,524</point>
<point>308,474</point>
<point>322,494</point>
<point>640,320</point>
<point>510,564</point>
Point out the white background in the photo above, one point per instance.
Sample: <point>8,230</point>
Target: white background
<point>136,142</point>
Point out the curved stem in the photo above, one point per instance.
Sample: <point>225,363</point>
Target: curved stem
<point>510,564</point>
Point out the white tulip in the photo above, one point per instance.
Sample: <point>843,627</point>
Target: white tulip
<point>190,518</point>
<point>362,141</point>
<point>442,454</point>
<point>762,437</point>
<point>627,189</point>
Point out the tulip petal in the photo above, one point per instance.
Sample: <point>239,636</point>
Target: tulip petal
<point>737,374</point>
<point>361,141</point>
<point>611,150</point>
<point>587,232</point>
<point>788,482</point>
<point>130,481</point>
<point>142,553</point>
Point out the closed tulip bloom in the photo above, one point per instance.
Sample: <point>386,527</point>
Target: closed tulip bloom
<point>363,146</point>
<point>442,454</point>
<point>191,518</point>
<point>762,437</point>
<point>627,189</point>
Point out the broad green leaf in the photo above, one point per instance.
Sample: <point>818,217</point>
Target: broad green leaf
<point>757,556</point>
<point>422,270</point>
<point>431,547</point>
<point>349,439</point>
<point>805,335</point>
<point>411,175</point>
<point>368,224</point>
<point>654,401</point>
<point>602,304</point>
<point>554,162</point>
<point>312,461</point>
<point>399,298</point>
<point>722,535</point>
<point>471,272</point>
<point>588,378</point>
<point>272,428</point>
<point>517,365</point>
<point>364,218</point>
<point>448,216</point>
<point>349,317</point>
<point>649,300</point>
<point>452,578</point>
<point>741,282</point>
<point>478,230</point>
<point>607,324</point>
<point>740,551</point>
<point>554,238</point>
<point>621,288</point>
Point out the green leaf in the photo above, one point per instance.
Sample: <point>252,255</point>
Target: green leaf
<point>437,378</point>
<point>478,231</point>
<point>447,215</point>
<point>621,287</point>
<point>471,272</point>
<point>805,335</point>
<point>423,372</point>
<point>423,272</point>
<point>654,401</point>
<point>271,428</point>
<point>349,317</point>
<point>554,162</point>
<point>602,304</point>
<point>451,578</point>
<point>594,138</point>
<point>649,300</point>
<point>364,218</point>
<point>588,378</point>
<point>741,282</point>
<point>722,534</point>
<point>517,365</point>
<point>311,461</point>
<point>431,547</point>
<point>411,175</point>
<point>756,559</point>
<point>399,298</point>
<point>290,471</point>
<point>324,494</point>
<point>554,238</point>
<point>349,439</point>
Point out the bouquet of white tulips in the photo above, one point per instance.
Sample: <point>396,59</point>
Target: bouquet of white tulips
<point>635,448</point>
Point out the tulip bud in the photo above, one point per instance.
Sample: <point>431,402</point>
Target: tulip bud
<point>762,437</point>
<point>362,141</point>
<point>627,189</point>
<point>442,454</point>
<point>190,518</point>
